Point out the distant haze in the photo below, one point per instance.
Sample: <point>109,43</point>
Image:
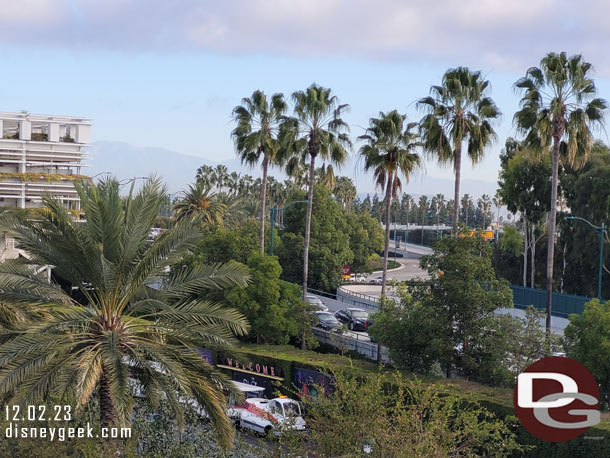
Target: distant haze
<point>178,170</point>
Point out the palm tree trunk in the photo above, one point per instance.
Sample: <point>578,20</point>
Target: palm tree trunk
<point>551,237</point>
<point>107,414</point>
<point>525,249</point>
<point>312,167</point>
<point>263,198</point>
<point>310,181</point>
<point>386,249</point>
<point>457,165</point>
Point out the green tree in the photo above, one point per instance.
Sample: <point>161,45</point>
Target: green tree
<point>410,331</point>
<point>110,325</point>
<point>396,419</point>
<point>587,339</point>
<point>458,110</point>
<point>389,149</point>
<point>423,208</point>
<point>316,129</point>
<point>255,137</point>
<point>345,192</point>
<point>465,292</point>
<point>365,238</point>
<point>271,308</point>
<point>330,248</point>
<point>587,193</point>
<point>557,112</point>
<point>200,202</point>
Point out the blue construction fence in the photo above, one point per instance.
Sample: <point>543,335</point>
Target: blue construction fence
<point>563,304</point>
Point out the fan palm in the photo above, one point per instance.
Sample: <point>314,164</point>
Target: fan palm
<point>112,332</point>
<point>557,112</point>
<point>458,110</point>
<point>255,137</point>
<point>466,203</point>
<point>423,208</point>
<point>200,201</point>
<point>316,129</point>
<point>485,204</point>
<point>345,192</point>
<point>389,149</point>
<point>326,176</point>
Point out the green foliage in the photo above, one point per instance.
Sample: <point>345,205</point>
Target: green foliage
<point>511,241</point>
<point>224,244</point>
<point>410,331</point>
<point>587,193</point>
<point>398,419</point>
<point>107,326</point>
<point>274,308</point>
<point>587,339</point>
<point>158,437</point>
<point>465,293</point>
<point>329,249</point>
<point>365,239</point>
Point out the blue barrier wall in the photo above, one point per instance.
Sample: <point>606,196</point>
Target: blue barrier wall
<point>563,304</point>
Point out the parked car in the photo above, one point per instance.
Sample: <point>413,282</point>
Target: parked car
<point>376,280</point>
<point>328,321</point>
<point>355,318</point>
<point>316,303</point>
<point>360,278</point>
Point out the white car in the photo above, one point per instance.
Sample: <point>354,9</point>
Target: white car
<point>376,280</point>
<point>268,416</point>
<point>316,303</point>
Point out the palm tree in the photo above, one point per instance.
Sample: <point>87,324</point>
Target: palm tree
<point>205,173</point>
<point>326,176</point>
<point>497,201</point>
<point>458,110</point>
<point>255,137</point>
<point>557,112</point>
<point>221,176</point>
<point>466,204</point>
<point>389,149</point>
<point>200,201</point>
<point>345,192</point>
<point>485,203</point>
<point>423,208</point>
<point>438,202</point>
<point>316,129</point>
<point>105,325</point>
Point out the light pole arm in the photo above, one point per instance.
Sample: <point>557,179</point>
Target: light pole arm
<point>597,228</point>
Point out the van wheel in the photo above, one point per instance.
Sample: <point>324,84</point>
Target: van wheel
<point>268,431</point>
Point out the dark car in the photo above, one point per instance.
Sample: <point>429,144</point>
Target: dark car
<point>356,319</point>
<point>327,321</point>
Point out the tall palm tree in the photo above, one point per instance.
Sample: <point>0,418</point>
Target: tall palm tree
<point>497,201</point>
<point>459,110</point>
<point>255,137</point>
<point>423,208</point>
<point>326,176</point>
<point>201,202</point>
<point>389,149</point>
<point>557,112</point>
<point>205,173</point>
<point>485,204</point>
<point>104,324</point>
<point>316,129</point>
<point>221,176</point>
<point>345,191</point>
<point>438,202</point>
<point>466,203</point>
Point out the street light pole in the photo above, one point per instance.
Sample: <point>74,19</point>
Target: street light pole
<point>602,231</point>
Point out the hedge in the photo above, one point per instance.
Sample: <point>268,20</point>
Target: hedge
<point>594,443</point>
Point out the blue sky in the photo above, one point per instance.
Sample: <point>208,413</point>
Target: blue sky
<point>168,73</point>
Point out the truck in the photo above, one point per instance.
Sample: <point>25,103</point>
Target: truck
<point>265,416</point>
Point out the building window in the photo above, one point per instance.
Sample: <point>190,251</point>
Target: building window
<point>40,131</point>
<point>10,130</point>
<point>67,133</point>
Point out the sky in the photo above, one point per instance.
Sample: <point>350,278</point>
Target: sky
<point>168,73</point>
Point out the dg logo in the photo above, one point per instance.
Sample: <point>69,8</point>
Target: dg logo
<point>557,399</point>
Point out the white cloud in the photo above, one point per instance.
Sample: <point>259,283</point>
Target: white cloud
<point>499,34</point>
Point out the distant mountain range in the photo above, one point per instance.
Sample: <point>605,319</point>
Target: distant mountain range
<point>178,170</point>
